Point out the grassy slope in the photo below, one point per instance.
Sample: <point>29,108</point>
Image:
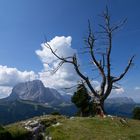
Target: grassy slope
<point>86,129</point>
<point>95,129</point>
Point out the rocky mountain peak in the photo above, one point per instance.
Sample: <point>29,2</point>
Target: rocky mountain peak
<point>37,92</point>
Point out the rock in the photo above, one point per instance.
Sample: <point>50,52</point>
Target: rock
<point>57,124</point>
<point>110,117</point>
<point>123,121</point>
<point>71,118</point>
<point>27,123</point>
<point>37,129</point>
<point>48,138</point>
<point>28,128</point>
<point>34,124</point>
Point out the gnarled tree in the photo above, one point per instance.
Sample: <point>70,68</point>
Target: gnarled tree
<point>102,63</point>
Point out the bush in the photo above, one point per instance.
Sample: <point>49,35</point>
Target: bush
<point>48,122</point>
<point>4,135</point>
<point>82,100</point>
<point>55,113</point>
<point>136,113</point>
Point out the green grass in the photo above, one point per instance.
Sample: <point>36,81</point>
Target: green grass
<point>79,128</point>
<point>18,132</point>
<point>95,129</point>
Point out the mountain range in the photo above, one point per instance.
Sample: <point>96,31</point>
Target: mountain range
<point>32,98</point>
<point>120,106</point>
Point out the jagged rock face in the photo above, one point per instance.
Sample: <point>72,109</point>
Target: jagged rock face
<point>35,91</point>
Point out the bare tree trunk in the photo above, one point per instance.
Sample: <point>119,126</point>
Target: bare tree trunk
<point>102,107</point>
<point>99,108</point>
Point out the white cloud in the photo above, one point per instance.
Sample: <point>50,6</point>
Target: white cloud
<point>65,76</point>
<point>120,90</point>
<point>96,85</point>
<point>61,44</point>
<point>137,88</point>
<point>5,91</point>
<point>11,76</point>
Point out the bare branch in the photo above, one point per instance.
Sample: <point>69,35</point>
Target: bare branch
<point>57,68</point>
<point>66,59</point>
<point>108,90</point>
<point>103,59</point>
<point>74,62</point>
<point>115,87</point>
<point>86,79</point>
<point>125,71</point>
<point>91,40</point>
<point>104,28</point>
<point>84,52</point>
<point>119,25</point>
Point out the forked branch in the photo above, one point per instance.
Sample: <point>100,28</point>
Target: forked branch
<point>72,60</point>
<point>125,71</point>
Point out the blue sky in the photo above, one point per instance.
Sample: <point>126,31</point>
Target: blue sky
<point>24,23</point>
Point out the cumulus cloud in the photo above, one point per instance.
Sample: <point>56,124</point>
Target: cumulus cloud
<point>65,75</point>
<point>61,44</point>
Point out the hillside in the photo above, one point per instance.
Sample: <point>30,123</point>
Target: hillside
<point>76,128</point>
<point>17,110</point>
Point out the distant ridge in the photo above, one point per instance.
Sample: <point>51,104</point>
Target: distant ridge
<point>120,106</point>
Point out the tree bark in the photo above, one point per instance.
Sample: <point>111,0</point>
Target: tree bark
<point>102,107</point>
<point>98,108</point>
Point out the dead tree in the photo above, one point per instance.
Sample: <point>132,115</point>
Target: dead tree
<point>103,65</point>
